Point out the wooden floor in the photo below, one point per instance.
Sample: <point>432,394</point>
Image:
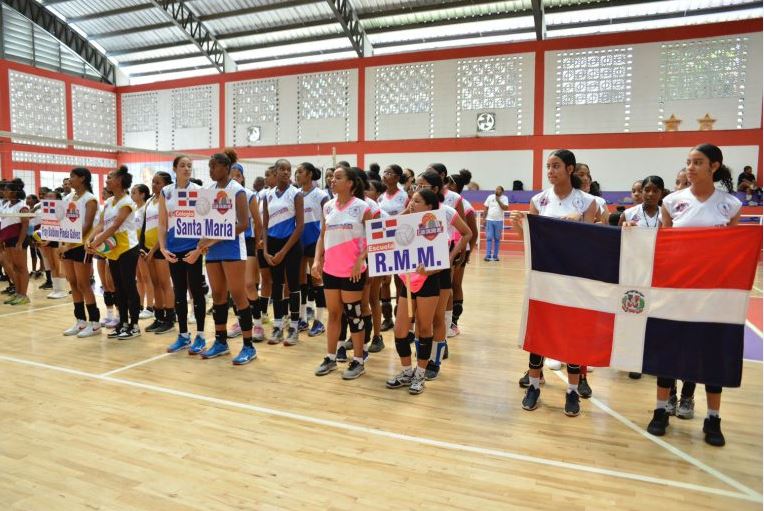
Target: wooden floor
<point>103,424</point>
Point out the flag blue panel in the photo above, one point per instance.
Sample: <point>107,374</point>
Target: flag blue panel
<point>710,353</point>
<point>376,225</point>
<point>575,249</point>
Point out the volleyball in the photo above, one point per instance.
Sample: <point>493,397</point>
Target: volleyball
<point>36,236</point>
<point>60,211</point>
<point>107,245</point>
<point>202,206</point>
<point>404,235</point>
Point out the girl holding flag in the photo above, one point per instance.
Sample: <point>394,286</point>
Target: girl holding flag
<point>700,205</point>
<point>564,200</point>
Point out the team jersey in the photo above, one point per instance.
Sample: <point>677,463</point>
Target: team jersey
<point>11,227</point>
<point>235,249</point>
<point>125,234</point>
<point>281,212</point>
<point>376,211</point>
<point>344,236</point>
<point>451,198</point>
<point>251,195</point>
<point>151,212</point>
<point>686,210</point>
<point>81,206</point>
<point>638,215</point>
<point>468,211</point>
<point>416,279</point>
<point>35,222</point>
<point>601,205</point>
<point>394,204</point>
<point>548,204</point>
<point>313,203</point>
<point>170,194</point>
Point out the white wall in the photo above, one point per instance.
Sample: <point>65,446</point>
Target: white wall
<point>617,169</point>
<point>489,168</point>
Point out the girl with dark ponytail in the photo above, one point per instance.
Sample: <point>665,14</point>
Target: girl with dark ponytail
<point>13,235</point>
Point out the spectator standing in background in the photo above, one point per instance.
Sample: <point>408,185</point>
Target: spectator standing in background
<point>495,205</point>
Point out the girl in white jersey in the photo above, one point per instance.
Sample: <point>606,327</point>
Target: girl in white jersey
<point>700,205</point>
<point>585,175</point>
<point>266,282</point>
<point>78,263</point>
<point>341,263</point>
<point>393,202</point>
<point>140,195</point>
<point>566,201</point>
<point>456,183</point>
<point>13,235</point>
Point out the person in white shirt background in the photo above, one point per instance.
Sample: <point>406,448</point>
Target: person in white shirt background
<point>495,206</point>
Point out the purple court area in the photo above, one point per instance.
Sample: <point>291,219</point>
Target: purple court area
<point>752,348</point>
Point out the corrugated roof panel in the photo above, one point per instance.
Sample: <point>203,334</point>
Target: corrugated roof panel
<point>197,61</point>
<point>47,50</point>
<point>204,7</point>
<point>438,14</point>
<point>454,43</point>
<point>84,7</point>
<point>288,61</point>
<point>187,49</point>
<point>268,19</point>
<point>17,36</point>
<point>172,76</point>
<point>330,30</point>
<point>160,36</point>
<point>124,21</point>
<point>365,6</point>
<point>475,27</point>
<point>290,49</point>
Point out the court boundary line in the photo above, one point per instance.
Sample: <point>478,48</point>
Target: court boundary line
<point>753,327</point>
<point>396,436</point>
<point>139,363</point>
<point>30,311</point>
<point>670,448</point>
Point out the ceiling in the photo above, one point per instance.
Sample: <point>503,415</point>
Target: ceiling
<point>152,40</point>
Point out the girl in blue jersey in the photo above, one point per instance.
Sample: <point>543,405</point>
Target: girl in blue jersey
<point>313,199</point>
<point>226,263</point>
<point>283,225</point>
<point>186,274</point>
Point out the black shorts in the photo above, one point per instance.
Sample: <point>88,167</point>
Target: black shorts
<point>250,244</point>
<point>52,244</point>
<point>343,283</point>
<point>78,255</point>
<point>261,259</point>
<point>11,242</point>
<point>309,250</point>
<point>158,254</point>
<point>444,279</point>
<point>431,287</point>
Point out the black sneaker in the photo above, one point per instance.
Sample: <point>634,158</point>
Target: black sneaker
<point>659,423</point>
<point>431,373</point>
<point>10,290</point>
<point>531,399</point>
<point>525,381</point>
<point>572,406</point>
<point>153,326</point>
<point>387,324</point>
<point>377,344</point>
<point>164,326</point>
<point>584,390</point>
<point>635,376</point>
<point>128,332</point>
<point>712,427</point>
<point>46,285</point>
<point>115,333</point>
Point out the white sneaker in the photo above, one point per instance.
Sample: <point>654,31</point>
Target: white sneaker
<point>453,331</point>
<point>111,322</point>
<point>191,320</point>
<point>90,330</point>
<point>76,328</point>
<point>56,295</point>
<point>145,314</point>
<point>552,364</point>
<point>234,331</point>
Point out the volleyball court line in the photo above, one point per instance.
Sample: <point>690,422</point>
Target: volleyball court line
<point>747,494</point>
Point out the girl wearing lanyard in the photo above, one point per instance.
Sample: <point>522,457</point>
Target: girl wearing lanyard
<point>140,195</point>
<point>425,291</point>
<point>254,227</point>
<point>700,205</point>
<point>186,274</point>
<point>78,263</point>
<point>564,200</point>
<point>226,263</point>
<point>341,263</point>
<point>14,238</point>
<point>158,268</point>
<point>283,225</point>
<point>313,199</point>
<point>117,222</point>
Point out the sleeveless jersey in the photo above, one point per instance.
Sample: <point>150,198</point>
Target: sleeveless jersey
<point>281,212</point>
<point>417,280</point>
<point>125,235</point>
<point>451,199</point>
<point>229,250</point>
<point>250,231</point>
<point>312,207</point>
<point>150,235</point>
<point>81,204</point>
<point>345,236</point>
<point>11,227</point>
<point>687,211</point>
<point>170,194</point>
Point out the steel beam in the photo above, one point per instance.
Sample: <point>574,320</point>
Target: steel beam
<point>348,18</point>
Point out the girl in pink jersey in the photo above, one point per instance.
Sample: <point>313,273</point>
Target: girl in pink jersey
<point>341,262</point>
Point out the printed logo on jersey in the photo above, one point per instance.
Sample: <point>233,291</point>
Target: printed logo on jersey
<point>724,209</point>
<point>430,227</point>
<point>633,302</point>
<point>578,203</point>
<point>222,203</point>
<point>543,201</point>
<point>355,211</point>
<point>383,229</point>
<point>72,213</point>
<point>187,198</point>
<point>681,206</point>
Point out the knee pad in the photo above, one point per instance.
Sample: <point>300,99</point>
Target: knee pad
<point>220,313</point>
<point>574,369</point>
<point>303,293</point>
<point>403,347</point>
<point>535,361</point>
<point>424,348</point>
<point>245,319</point>
<point>355,319</point>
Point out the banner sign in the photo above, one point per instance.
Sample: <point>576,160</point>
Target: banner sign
<point>61,221</point>
<point>400,244</point>
<point>204,214</point>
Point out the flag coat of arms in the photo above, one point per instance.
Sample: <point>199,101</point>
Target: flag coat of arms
<point>666,302</point>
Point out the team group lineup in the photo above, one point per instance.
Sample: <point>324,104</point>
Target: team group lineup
<point>303,249</point>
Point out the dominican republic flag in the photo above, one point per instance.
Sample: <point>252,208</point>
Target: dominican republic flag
<point>666,302</point>
<point>48,207</point>
<point>187,198</point>
<point>383,229</point>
